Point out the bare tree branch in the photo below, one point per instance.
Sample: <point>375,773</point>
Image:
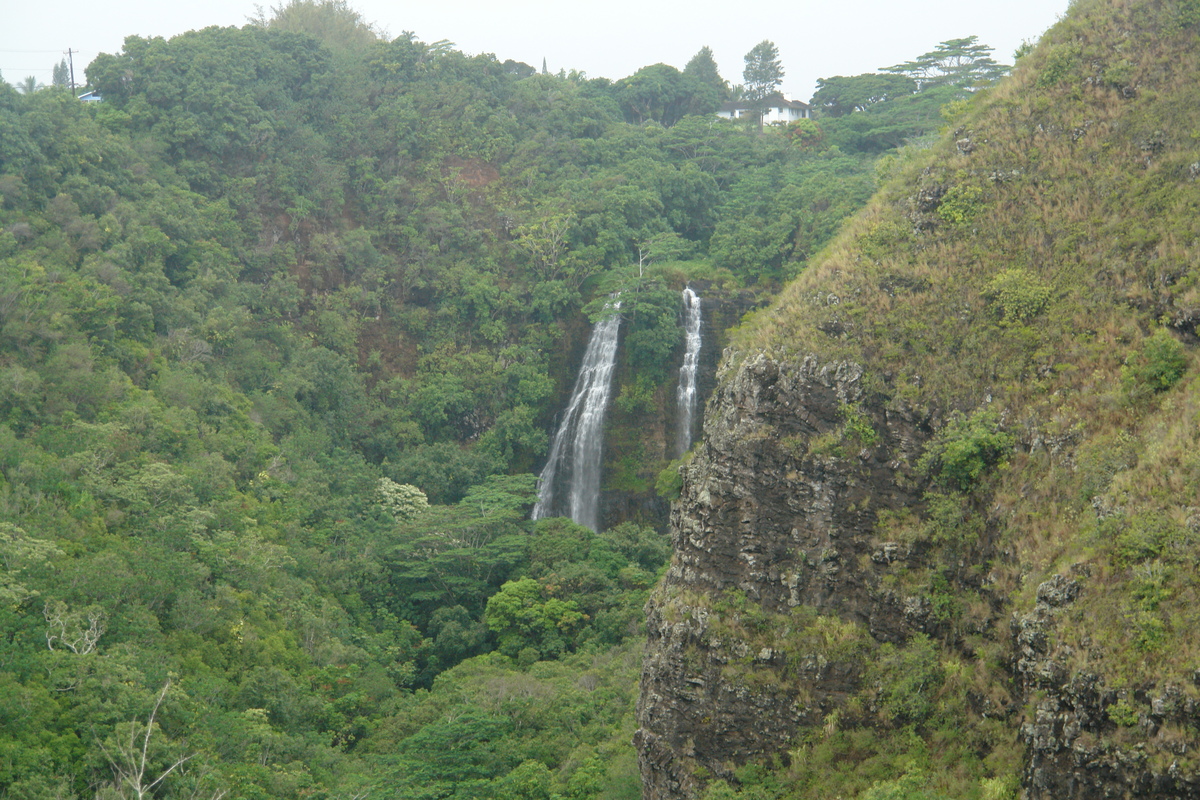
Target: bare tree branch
<point>131,762</point>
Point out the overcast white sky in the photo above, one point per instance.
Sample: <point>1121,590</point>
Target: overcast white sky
<point>816,38</point>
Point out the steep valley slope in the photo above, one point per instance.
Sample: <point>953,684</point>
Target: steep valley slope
<point>942,530</point>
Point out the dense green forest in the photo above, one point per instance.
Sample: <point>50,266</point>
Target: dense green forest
<point>284,324</point>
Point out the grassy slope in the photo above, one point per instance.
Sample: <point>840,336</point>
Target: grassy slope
<point>1024,264</point>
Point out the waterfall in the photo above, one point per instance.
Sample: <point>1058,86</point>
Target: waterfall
<point>686,393</point>
<point>574,463</point>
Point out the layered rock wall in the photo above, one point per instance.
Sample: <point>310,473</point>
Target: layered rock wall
<point>769,519</point>
<point>777,525</point>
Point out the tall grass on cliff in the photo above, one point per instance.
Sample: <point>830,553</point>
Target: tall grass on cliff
<point>1040,262</point>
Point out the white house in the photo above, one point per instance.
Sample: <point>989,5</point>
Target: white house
<point>779,109</point>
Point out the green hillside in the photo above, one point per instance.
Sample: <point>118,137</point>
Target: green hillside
<point>993,483</point>
<point>285,322</point>
<point>1037,270</point>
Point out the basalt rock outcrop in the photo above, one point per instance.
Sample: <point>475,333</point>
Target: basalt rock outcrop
<point>767,517</point>
<point>964,441</point>
<point>1073,752</point>
<point>778,519</point>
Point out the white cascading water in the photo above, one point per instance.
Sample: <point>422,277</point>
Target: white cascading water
<point>574,463</point>
<point>686,393</point>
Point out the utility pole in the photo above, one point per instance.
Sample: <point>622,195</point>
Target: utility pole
<point>71,61</point>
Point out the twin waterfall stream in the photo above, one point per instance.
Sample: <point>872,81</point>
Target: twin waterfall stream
<point>569,485</point>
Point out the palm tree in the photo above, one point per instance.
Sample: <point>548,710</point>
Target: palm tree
<point>29,85</point>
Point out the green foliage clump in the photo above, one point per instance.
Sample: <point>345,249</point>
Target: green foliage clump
<point>491,729</point>
<point>964,449</point>
<point>1001,787</point>
<point>1099,460</point>
<point>669,483</point>
<point>1017,296</point>
<point>1061,62</point>
<point>858,427</point>
<point>1123,713</point>
<point>1144,536</point>
<point>1187,14</point>
<point>961,204</point>
<point>521,617</point>
<point>908,676</point>
<point>950,519</point>
<point>637,397</point>
<point>608,574</point>
<point>855,433</point>
<point>1157,367</point>
<point>912,785</point>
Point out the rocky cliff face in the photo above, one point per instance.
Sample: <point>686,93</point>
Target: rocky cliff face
<point>769,519</point>
<point>777,527</point>
<point>1069,731</point>
<point>946,494</point>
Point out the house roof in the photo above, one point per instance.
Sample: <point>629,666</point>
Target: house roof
<point>774,101</point>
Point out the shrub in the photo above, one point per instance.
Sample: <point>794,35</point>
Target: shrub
<point>858,426</point>
<point>1017,295</point>
<point>912,785</point>
<point>949,519</point>
<point>669,483</point>
<point>1062,61</point>
<point>1156,367</point>
<point>1123,713</point>
<point>908,678</point>
<point>960,204</point>
<point>1141,537</point>
<point>1149,632</point>
<point>1004,787</point>
<point>1100,459</point>
<point>964,449</point>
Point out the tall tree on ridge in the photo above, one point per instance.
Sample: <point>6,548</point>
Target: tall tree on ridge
<point>333,22</point>
<point>62,75</point>
<point>956,62</point>
<point>703,67</point>
<point>763,74</point>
